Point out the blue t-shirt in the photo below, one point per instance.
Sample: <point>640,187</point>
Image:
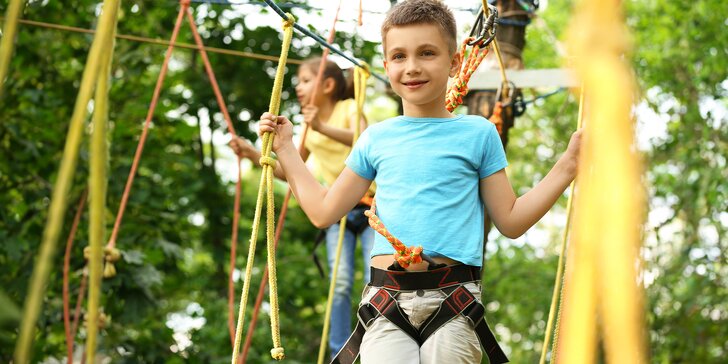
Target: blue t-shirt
<point>427,172</point>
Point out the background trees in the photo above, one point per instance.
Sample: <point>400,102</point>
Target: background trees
<point>168,302</point>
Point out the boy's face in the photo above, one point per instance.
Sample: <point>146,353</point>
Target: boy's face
<point>418,65</point>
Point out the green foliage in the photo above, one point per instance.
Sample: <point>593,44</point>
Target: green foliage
<point>168,303</point>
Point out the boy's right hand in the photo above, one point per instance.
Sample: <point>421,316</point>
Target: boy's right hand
<point>281,126</point>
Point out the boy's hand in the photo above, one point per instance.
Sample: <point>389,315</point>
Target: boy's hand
<point>571,156</point>
<point>310,117</point>
<point>243,148</point>
<point>281,126</point>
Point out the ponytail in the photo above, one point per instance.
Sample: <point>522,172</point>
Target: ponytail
<point>344,85</point>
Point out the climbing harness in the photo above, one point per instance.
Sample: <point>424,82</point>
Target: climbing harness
<point>450,280</point>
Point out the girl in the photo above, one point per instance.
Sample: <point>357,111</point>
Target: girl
<point>331,117</point>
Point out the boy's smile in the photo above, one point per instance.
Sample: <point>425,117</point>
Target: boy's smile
<point>419,64</point>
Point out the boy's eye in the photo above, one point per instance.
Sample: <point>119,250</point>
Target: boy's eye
<point>398,56</point>
<point>428,53</point>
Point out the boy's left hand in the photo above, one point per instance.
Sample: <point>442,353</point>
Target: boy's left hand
<point>571,156</point>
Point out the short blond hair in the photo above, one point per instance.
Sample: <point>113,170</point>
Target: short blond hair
<point>433,12</point>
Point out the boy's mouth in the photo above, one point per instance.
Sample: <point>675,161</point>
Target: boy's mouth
<point>414,84</point>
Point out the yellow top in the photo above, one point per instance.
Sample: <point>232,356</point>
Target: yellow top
<point>328,154</point>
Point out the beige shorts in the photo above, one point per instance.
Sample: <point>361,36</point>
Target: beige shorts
<point>455,342</point>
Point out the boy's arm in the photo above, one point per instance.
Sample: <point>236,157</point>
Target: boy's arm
<point>514,216</point>
<point>322,206</point>
<point>246,150</point>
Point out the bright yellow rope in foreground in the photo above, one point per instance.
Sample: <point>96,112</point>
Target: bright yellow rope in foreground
<point>67,170</point>
<point>556,298</point>
<point>266,186</point>
<point>603,301</point>
<point>361,75</point>
<point>97,195</point>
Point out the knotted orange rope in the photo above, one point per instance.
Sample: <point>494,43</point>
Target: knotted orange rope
<point>403,255</point>
<point>459,87</point>
<point>496,117</point>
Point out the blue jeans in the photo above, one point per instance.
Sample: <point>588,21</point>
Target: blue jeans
<point>341,308</point>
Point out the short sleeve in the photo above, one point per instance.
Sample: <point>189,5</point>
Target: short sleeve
<point>360,159</point>
<point>494,157</point>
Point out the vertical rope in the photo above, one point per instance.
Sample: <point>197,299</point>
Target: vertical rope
<point>332,287</point>
<point>266,185</point>
<point>147,122</point>
<point>284,208</point>
<point>7,45</point>
<point>557,296</point>
<point>66,172</point>
<point>601,284</point>
<point>66,270</point>
<point>97,195</point>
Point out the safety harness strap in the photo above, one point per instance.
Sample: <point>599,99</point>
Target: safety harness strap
<point>458,302</point>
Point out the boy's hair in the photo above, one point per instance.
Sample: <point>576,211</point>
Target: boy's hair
<point>433,12</point>
<point>344,86</point>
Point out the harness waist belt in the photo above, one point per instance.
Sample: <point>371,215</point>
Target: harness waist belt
<point>431,279</point>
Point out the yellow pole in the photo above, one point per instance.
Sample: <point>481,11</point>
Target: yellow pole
<point>97,196</point>
<point>57,209</point>
<point>602,281</point>
<point>12,14</point>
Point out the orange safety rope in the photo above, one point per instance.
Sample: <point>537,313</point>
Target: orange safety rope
<point>459,87</point>
<point>284,206</point>
<point>403,255</point>
<point>70,334</point>
<point>496,117</point>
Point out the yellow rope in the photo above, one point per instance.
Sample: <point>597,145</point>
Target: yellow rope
<point>60,189</point>
<point>12,14</point>
<point>97,196</point>
<point>332,286</point>
<point>361,74</point>
<point>603,302</point>
<point>266,186</point>
<point>556,298</point>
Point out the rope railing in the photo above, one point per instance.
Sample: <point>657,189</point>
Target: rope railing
<point>321,41</point>
<point>161,42</point>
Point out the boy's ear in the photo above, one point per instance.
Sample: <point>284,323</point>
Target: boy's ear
<point>385,65</point>
<point>457,59</point>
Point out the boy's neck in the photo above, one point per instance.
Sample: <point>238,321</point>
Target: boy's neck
<point>432,110</point>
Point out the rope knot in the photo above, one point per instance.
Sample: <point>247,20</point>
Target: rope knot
<point>287,23</point>
<point>277,353</point>
<point>111,255</point>
<point>267,161</point>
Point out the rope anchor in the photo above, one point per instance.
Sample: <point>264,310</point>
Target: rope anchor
<point>483,31</point>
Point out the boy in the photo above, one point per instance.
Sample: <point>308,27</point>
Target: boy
<point>436,174</point>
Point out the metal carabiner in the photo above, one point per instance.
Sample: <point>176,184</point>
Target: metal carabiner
<point>484,30</point>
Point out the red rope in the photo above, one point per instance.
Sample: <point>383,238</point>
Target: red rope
<point>284,207</point>
<point>147,122</point>
<point>70,334</point>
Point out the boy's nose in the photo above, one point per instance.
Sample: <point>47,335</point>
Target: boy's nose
<point>413,67</point>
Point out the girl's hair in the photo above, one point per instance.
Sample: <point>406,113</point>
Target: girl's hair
<point>344,84</point>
